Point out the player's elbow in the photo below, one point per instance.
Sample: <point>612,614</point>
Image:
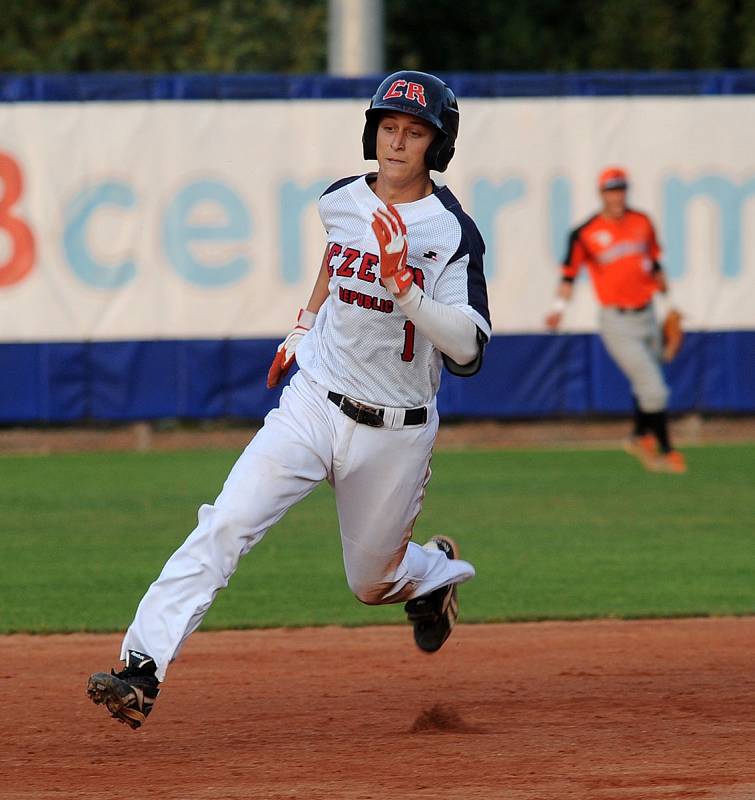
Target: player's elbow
<point>465,355</point>
<point>465,349</point>
<point>467,359</point>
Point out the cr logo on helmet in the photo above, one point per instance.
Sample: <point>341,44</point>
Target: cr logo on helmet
<point>414,91</point>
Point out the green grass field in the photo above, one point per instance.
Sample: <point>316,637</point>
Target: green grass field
<point>554,534</point>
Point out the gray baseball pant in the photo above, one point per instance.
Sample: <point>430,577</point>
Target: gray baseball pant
<point>633,339</point>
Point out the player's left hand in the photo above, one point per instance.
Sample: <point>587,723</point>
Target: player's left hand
<point>286,353</point>
<point>390,231</point>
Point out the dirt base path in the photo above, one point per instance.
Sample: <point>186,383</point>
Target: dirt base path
<point>549,711</point>
<point>690,430</point>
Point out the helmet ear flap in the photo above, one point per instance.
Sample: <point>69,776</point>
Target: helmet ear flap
<point>439,153</point>
<point>446,156</point>
<point>369,140</point>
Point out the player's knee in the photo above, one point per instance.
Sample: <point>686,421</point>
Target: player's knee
<point>220,522</point>
<point>653,400</point>
<point>369,592</point>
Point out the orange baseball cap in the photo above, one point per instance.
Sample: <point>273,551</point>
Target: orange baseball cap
<point>613,178</point>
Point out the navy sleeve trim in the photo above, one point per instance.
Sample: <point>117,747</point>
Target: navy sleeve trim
<point>573,236</point>
<point>471,244</point>
<point>340,183</point>
<point>474,366</point>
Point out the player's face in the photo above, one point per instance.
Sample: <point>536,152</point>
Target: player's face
<point>402,140</point>
<point>614,202</point>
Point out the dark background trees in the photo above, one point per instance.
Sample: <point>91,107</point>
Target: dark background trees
<point>443,35</point>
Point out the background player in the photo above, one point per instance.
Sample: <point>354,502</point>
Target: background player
<point>400,289</point>
<point>619,247</point>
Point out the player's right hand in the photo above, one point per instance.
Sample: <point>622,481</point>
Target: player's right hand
<point>286,353</point>
<point>390,231</point>
<point>553,320</point>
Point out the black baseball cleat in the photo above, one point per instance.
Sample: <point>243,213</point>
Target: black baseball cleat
<point>434,615</point>
<point>130,693</point>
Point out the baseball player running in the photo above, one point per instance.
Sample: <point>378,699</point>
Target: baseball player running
<point>619,247</point>
<point>400,291</point>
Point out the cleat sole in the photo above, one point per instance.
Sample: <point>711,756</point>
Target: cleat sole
<point>102,689</point>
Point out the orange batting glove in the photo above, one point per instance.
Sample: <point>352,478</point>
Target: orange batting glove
<point>286,353</point>
<point>390,231</point>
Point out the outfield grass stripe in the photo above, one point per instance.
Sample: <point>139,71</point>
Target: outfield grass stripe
<point>561,534</point>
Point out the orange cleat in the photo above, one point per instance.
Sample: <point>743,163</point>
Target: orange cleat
<point>643,448</point>
<point>671,462</point>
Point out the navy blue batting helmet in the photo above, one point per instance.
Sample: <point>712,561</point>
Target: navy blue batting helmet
<point>424,96</point>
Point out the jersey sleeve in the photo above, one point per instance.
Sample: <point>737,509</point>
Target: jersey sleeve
<point>654,249</point>
<point>462,283</point>
<point>322,209</point>
<point>575,257</point>
<point>327,205</point>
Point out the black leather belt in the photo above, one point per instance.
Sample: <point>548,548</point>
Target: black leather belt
<point>637,310</point>
<point>369,415</point>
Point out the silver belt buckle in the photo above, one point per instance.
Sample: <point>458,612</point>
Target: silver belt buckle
<point>365,415</point>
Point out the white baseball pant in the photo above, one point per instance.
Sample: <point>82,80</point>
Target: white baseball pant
<point>379,476</point>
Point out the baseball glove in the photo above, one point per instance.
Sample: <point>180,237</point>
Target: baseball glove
<point>673,335</point>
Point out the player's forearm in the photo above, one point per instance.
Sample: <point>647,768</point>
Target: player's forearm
<point>662,298</point>
<point>565,290</point>
<point>448,328</point>
<point>660,279</point>
<point>561,301</point>
<point>320,291</point>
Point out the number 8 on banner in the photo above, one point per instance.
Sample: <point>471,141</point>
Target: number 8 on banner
<point>21,259</point>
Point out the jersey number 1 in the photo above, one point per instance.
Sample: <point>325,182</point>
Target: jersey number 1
<point>408,353</point>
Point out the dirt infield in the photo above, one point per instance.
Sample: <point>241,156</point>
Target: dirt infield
<point>142,436</point>
<point>542,711</point>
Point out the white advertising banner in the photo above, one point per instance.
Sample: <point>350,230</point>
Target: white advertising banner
<point>165,220</point>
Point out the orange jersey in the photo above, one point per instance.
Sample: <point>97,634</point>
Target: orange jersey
<point>622,256</point>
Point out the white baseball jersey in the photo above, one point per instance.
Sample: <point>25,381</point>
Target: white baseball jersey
<point>362,344</point>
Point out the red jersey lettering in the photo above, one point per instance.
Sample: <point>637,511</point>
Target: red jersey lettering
<point>369,261</point>
<point>350,255</point>
<point>335,250</point>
